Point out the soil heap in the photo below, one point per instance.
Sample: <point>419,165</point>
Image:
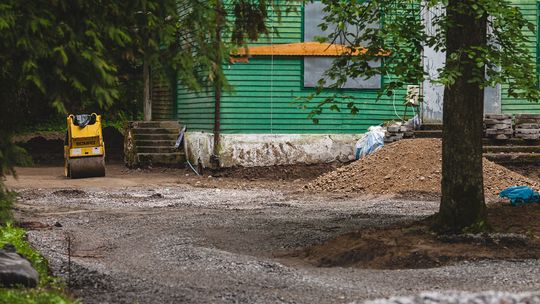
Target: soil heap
<point>408,166</point>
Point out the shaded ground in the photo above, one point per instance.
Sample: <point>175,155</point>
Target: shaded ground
<point>516,235</point>
<point>167,236</point>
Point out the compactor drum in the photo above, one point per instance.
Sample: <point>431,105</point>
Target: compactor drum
<point>84,149</point>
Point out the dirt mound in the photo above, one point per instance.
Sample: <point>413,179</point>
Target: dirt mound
<point>48,147</point>
<point>516,236</point>
<point>408,166</point>
<point>44,150</point>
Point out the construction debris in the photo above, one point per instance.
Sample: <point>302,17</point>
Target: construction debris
<point>397,131</point>
<point>527,126</point>
<point>498,126</point>
<point>393,133</point>
<point>411,165</point>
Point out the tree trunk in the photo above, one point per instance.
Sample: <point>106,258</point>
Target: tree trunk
<point>462,204</point>
<point>147,102</point>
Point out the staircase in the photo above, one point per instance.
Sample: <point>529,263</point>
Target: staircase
<point>512,151</point>
<point>151,144</point>
<point>509,151</point>
<point>429,131</point>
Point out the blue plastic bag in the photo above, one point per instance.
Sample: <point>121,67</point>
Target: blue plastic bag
<point>520,195</point>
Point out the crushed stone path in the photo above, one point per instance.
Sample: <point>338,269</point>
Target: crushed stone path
<point>181,244</point>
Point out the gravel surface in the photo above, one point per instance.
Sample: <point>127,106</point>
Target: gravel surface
<point>217,246</point>
<point>183,244</point>
<point>463,298</point>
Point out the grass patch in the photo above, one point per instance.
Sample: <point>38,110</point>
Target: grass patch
<point>33,296</point>
<point>50,289</point>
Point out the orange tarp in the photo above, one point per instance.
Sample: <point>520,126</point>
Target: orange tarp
<point>301,49</point>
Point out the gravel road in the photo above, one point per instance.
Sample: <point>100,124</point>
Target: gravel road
<point>159,240</point>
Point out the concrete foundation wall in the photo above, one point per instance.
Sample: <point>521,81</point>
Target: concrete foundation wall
<point>251,150</point>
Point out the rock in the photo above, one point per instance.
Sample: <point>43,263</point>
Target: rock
<point>15,270</point>
<point>394,128</point>
<point>498,116</point>
<point>57,224</point>
<point>498,126</point>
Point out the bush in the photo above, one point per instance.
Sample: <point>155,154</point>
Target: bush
<point>6,203</point>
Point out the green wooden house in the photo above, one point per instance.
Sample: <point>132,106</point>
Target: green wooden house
<point>259,123</point>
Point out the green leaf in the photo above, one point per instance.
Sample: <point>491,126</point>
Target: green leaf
<point>62,53</point>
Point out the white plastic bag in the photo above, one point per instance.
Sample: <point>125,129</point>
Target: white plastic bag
<point>413,123</point>
<point>370,142</point>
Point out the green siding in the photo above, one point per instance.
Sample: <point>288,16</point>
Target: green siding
<point>195,110</point>
<point>265,95</point>
<point>265,101</point>
<point>267,88</point>
<point>511,105</point>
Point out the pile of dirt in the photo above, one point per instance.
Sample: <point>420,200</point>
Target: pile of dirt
<point>48,147</point>
<point>516,236</point>
<point>45,149</point>
<point>408,166</point>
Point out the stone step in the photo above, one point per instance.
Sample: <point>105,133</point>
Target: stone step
<point>156,149</point>
<point>155,124</point>
<point>431,126</point>
<point>157,143</point>
<point>154,137</point>
<point>161,159</point>
<point>513,158</point>
<point>512,149</point>
<point>173,131</point>
<point>428,134</point>
<point>510,142</point>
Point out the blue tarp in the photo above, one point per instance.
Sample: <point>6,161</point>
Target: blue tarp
<point>520,195</point>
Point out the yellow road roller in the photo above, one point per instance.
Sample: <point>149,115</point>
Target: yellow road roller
<point>84,149</point>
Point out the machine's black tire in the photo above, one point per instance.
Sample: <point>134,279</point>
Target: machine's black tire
<point>81,167</point>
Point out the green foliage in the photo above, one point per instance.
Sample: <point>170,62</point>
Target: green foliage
<point>505,57</point>
<point>11,155</point>
<point>16,236</point>
<point>50,289</point>
<point>60,50</point>
<point>480,226</point>
<point>33,296</point>
<point>6,202</point>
